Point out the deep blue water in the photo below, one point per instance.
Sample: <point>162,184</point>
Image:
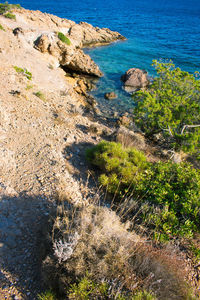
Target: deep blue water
<point>155,29</point>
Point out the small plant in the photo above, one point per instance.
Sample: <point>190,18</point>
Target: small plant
<point>24,71</point>
<point>28,87</point>
<point>88,289</point>
<point>2,28</point>
<point>49,295</point>
<point>40,95</point>
<point>64,39</point>
<point>9,15</point>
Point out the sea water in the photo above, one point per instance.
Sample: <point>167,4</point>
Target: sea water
<point>155,29</point>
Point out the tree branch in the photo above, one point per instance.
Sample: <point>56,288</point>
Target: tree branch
<point>188,126</point>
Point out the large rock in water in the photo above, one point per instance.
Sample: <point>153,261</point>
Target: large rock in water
<point>135,79</point>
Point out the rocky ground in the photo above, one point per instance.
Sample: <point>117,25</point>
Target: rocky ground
<point>43,134</point>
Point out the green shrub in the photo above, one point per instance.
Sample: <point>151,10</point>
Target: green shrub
<point>173,194</point>
<point>121,167</point>
<point>5,7</point>
<point>49,295</point>
<point>87,289</point>
<point>29,87</point>
<point>1,28</point>
<point>24,71</point>
<point>64,39</point>
<point>171,105</point>
<point>168,194</point>
<point>9,15</point>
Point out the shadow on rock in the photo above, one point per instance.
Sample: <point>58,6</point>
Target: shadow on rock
<point>24,222</point>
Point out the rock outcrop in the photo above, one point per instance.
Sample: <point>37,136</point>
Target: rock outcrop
<point>86,35</point>
<point>72,59</point>
<point>42,32</point>
<point>135,79</point>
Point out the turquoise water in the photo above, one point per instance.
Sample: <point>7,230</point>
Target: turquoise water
<point>155,29</point>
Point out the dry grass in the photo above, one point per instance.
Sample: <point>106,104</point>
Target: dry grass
<point>93,240</point>
<point>130,138</point>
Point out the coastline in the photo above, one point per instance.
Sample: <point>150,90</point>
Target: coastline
<point>43,133</point>
<point>47,120</point>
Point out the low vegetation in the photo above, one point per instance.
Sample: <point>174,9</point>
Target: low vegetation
<point>171,105</point>
<point>64,39</point>
<point>5,7</point>
<point>48,295</point>
<point>40,95</point>
<point>24,71</point>
<point>96,256</point>
<point>6,10</point>
<point>9,15</point>
<point>2,28</point>
<point>86,288</point>
<point>167,194</point>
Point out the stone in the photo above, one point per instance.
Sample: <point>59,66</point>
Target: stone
<point>82,63</point>
<point>18,30</point>
<point>42,43</point>
<point>129,138</point>
<point>135,79</point>
<point>124,120</point>
<point>110,96</point>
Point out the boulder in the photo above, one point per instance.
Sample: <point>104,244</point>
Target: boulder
<point>129,138</point>
<point>42,43</point>
<point>135,79</point>
<point>18,31</point>
<point>82,63</point>
<point>110,96</point>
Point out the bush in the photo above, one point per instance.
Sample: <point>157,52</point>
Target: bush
<point>49,295</point>
<point>172,194</point>
<point>96,256</point>
<point>171,105</point>
<point>87,289</point>
<point>64,39</point>
<point>10,16</point>
<point>2,28</point>
<point>168,194</point>
<point>24,71</point>
<point>121,167</point>
<point>5,7</point>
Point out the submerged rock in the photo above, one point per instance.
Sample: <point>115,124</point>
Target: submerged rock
<point>135,79</point>
<point>110,96</point>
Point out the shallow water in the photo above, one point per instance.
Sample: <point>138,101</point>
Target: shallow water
<point>155,29</point>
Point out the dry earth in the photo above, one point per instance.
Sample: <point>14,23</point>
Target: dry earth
<point>42,137</point>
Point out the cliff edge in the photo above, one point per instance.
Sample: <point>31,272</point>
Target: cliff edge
<point>43,132</point>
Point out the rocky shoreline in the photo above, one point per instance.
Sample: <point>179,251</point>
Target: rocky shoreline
<point>43,133</point>
<point>47,120</point>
